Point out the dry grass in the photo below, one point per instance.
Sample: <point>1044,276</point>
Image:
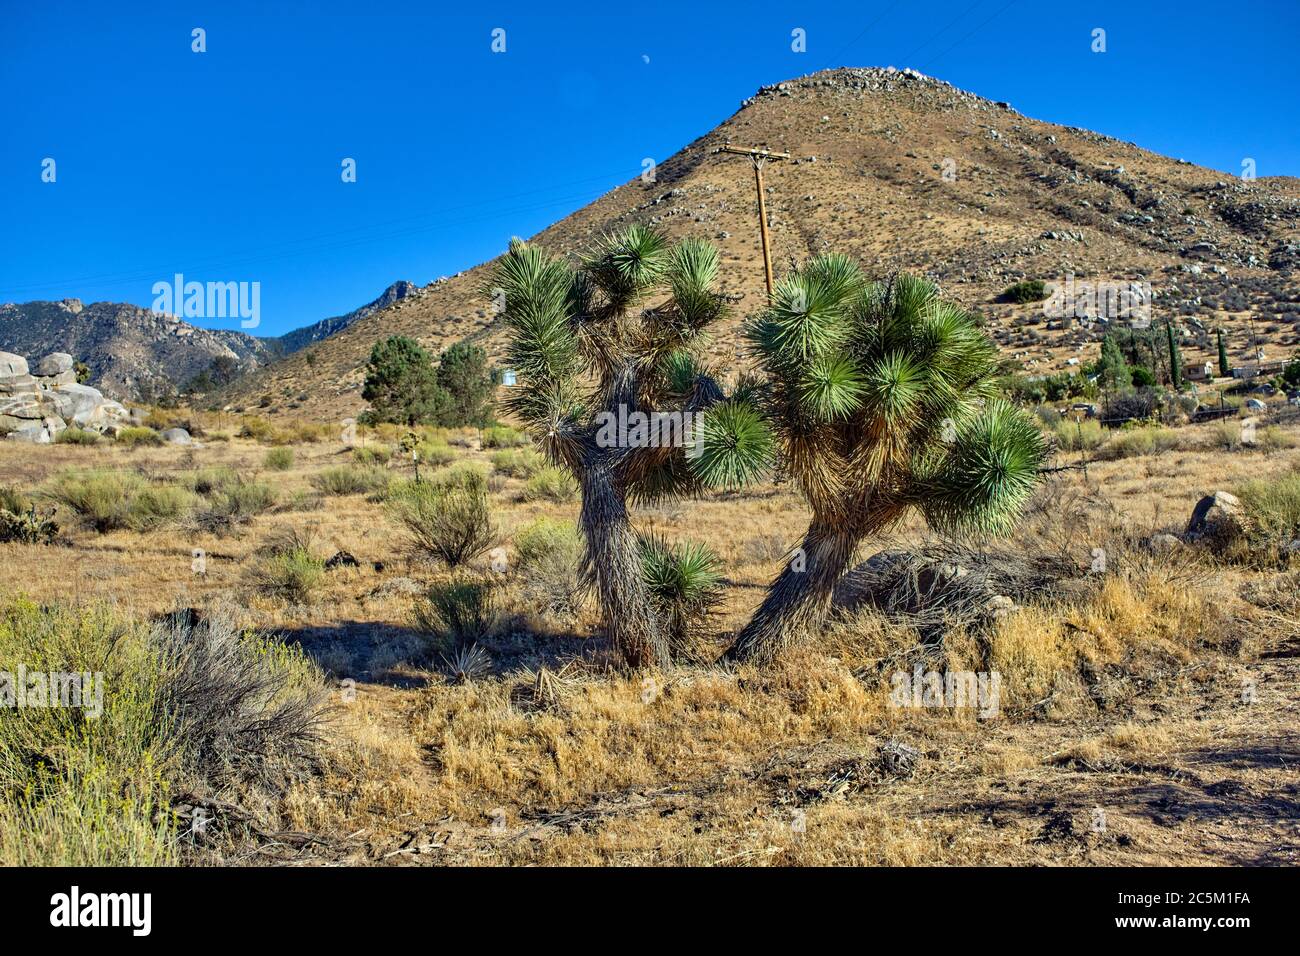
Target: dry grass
<point>701,765</point>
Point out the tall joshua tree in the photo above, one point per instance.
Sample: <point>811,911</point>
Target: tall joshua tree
<point>617,338</point>
<point>882,398</point>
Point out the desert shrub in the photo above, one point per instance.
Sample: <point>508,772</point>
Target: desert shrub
<point>137,435</point>
<point>1029,290</point>
<point>350,479</point>
<point>278,459</point>
<point>445,521</point>
<point>550,484</point>
<point>258,429</point>
<point>464,610</point>
<point>289,572</point>
<point>1274,438</point>
<point>435,452</point>
<point>179,707</point>
<point>205,481</point>
<point>297,433</point>
<point>372,455</point>
<point>1048,415</point>
<point>233,503</point>
<point>112,500</point>
<point>1133,443</point>
<point>548,558</point>
<point>76,791</point>
<point>470,475</point>
<point>1086,435</point>
<point>517,462</point>
<point>502,436</point>
<point>1273,506</point>
<point>248,708</point>
<point>13,500</point>
<point>77,436</point>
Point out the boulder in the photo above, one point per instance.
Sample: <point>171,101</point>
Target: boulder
<point>176,436</point>
<point>1216,515</point>
<point>26,406</point>
<point>56,363</point>
<point>1163,543</point>
<point>12,366</point>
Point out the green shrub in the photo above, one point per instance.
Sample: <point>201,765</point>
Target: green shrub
<point>464,610</point>
<point>206,481</point>
<point>293,574</point>
<point>1273,506</point>
<point>351,479</point>
<point>1030,290</point>
<point>137,435</point>
<point>548,559</point>
<point>180,706</point>
<point>279,459</point>
<point>1133,443</point>
<point>550,484</point>
<point>258,429</point>
<point>372,455</point>
<point>113,500</point>
<point>232,504</point>
<point>469,475</point>
<point>1086,435</point>
<point>445,521</point>
<point>13,500</point>
<point>77,436</point>
<point>502,436</point>
<point>518,462</point>
<point>435,452</point>
<point>27,527</point>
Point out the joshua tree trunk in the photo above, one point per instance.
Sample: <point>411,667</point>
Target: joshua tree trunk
<point>633,627</point>
<point>800,597</point>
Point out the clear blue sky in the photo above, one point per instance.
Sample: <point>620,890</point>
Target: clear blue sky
<point>225,165</point>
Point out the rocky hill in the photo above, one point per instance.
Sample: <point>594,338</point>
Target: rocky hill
<point>904,171</point>
<point>301,338</point>
<point>132,352</point>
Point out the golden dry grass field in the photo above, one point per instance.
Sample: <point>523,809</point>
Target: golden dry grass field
<point>1148,711</point>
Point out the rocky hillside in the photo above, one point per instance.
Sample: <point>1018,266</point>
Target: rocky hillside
<point>132,352</point>
<point>301,338</point>
<point>905,171</point>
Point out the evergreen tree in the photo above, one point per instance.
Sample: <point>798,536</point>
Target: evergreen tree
<point>1225,369</point>
<point>464,375</point>
<point>1175,358</point>
<point>1112,370</point>
<point>401,385</point>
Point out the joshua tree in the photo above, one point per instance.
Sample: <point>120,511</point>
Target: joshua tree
<point>882,398</point>
<point>608,343</point>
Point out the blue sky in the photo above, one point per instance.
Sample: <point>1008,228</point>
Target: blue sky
<point>226,165</point>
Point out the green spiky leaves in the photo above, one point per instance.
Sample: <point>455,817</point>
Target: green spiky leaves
<point>832,387</point>
<point>732,446</point>
<point>988,473</point>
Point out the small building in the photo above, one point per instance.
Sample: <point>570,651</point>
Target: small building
<point>1200,373</point>
<point>508,378</point>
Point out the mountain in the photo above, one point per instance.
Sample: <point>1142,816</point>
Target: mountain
<point>132,353</point>
<point>904,171</point>
<point>300,338</point>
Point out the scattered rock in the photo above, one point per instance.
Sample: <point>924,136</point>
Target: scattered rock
<point>342,559</point>
<point>1163,543</point>
<point>177,436</point>
<point>1217,514</point>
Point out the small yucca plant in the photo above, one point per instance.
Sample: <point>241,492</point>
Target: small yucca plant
<point>685,581</point>
<point>467,663</point>
<point>883,399</point>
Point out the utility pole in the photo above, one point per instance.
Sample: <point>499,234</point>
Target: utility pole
<point>759,157</point>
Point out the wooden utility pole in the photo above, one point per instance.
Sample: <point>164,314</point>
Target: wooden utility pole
<point>759,157</point>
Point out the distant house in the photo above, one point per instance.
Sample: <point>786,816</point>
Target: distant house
<point>508,378</point>
<point>1200,373</point>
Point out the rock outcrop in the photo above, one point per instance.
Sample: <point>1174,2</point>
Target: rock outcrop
<point>36,407</point>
